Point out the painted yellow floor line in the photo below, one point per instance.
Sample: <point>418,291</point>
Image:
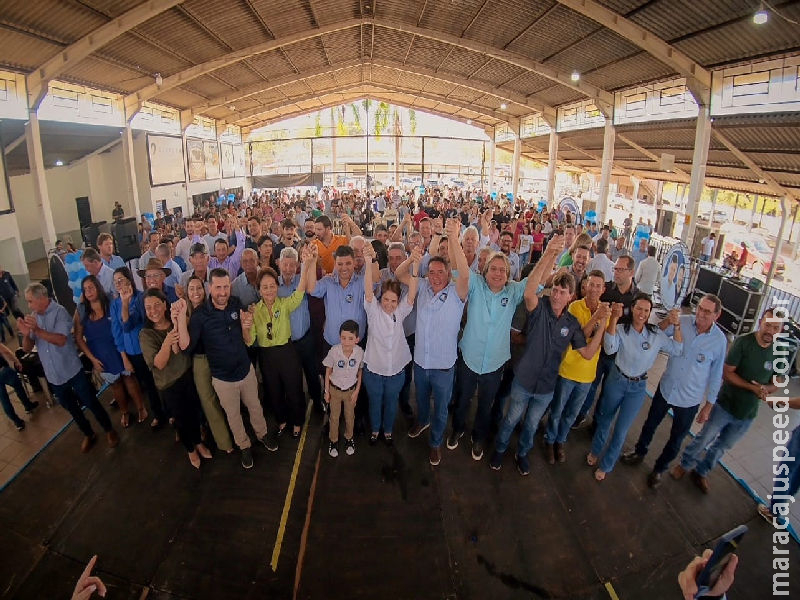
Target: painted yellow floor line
<point>287,503</point>
<point>611,593</point>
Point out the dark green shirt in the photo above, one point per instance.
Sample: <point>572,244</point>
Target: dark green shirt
<point>151,341</point>
<point>753,363</point>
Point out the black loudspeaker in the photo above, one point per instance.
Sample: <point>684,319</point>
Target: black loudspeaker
<point>91,231</point>
<point>126,236</point>
<point>84,211</point>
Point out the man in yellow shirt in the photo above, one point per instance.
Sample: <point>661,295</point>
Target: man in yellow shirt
<point>576,374</point>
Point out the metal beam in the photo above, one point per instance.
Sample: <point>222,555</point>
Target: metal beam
<point>255,112</point>
<point>264,86</point>
<point>762,175</point>
<point>603,100</point>
<point>654,157</point>
<point>36,82</point>
<point>10,148</point>
<point>698,79</point>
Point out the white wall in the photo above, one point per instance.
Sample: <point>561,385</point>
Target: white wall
<point>64,184</point>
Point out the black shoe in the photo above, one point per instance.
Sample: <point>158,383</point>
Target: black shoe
<point>333,449</point>
<point>580,422</point>
<point>477,450</point>
<point>523,465</point>
<point>631,458</point>
<point>452,440</point>
<point>653,480</point>
<point>497,461</point>
<point>32,407</point>
<point>270,441</point>
<point>20,426</point>
<point>247,458</point>
<point>373,439</point>
<point>387,438</point>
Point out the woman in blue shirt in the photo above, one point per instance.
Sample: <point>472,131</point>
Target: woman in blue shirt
<point>636,344</point>
<point>94,337</point>
<point>127,320</point>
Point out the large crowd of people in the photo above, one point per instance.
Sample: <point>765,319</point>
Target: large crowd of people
<point>474,301</point>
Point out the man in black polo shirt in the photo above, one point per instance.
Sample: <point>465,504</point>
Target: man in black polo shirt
<point>621,290</point>
<point>551,329</point>
<point>221,328</point>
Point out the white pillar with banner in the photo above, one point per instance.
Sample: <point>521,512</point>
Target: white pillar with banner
<point>702,141</point>
<point>36,161</point>
<point>609,136</point>
<point>492,158</point>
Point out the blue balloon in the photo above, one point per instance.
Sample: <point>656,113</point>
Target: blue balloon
<point>494,195</point>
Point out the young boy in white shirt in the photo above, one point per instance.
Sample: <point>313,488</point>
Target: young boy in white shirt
<point>342,384</point>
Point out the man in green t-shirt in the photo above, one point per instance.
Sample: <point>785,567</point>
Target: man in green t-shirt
<point>747,381</point>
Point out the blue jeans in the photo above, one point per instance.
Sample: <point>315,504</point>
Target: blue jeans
<point>793,483</point>
<point>534,406</point>
<point>79,391</point>
<point>623,396</point>
<point>721,431</point>
<point>567,402</point>
<point>682,418</point>
<point>604,365</point>
<point>440,383</point>
<point>487,384</point>
<point>705,257</point>
<point>523,259</point>
<point>383,392</point>
<point>8,376</point>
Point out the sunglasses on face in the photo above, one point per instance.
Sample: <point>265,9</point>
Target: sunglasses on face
<point>269,330</point>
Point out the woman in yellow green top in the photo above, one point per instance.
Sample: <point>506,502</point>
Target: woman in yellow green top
<point>281,369</point>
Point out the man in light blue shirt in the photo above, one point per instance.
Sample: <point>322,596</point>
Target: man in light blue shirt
<point>343,292</point>
<point>486,345</point>
<point>300,320</point>
<point>690,376</point>
<point>49,327</point>
<point>105,246</point>
<point>94,266</point>
<point>164,254</point>
<point>440,305</point>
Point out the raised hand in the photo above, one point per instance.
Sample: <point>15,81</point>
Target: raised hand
<point>88,584</point>
<point>674,317</point>
<point>556,245</point>
<point>246,317</point>
<point>23,326</point>
<point>416,255</point>
<point>616,310</point>
<point>126,293</point>
<point>369,252</point>
<point>453,228</point>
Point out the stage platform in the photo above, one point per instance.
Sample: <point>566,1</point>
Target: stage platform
<point>380,524</point>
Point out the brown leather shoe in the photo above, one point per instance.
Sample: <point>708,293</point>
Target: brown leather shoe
<point>677,472</point>
<point>561,456</point>
<point>88,443</point>
<point>549,454</point>
<point>113,439</point>
<point>700,481</point>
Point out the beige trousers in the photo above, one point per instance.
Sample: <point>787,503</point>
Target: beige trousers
<point>341,401</point>
<point>230,393</point>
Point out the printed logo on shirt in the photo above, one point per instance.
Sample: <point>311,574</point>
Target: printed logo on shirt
<point>277,314</point>
<point>504,302</point>
<point>340,364</point>
<point>701,358</point>
<point>564,331</point>
<point>235,316</point>
<point>443,297</point>
<point>768,366</point>
<point>645,345</point>
<point>626,310</point>
<point>351,362</point>
<point>348,298</point>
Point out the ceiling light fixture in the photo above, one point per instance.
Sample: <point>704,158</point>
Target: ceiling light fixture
<point>575,76</point>
<point>503,106</point>
<point>231,107</point>
<point>59,163</point>
<point>469,121</point>
<point>761,16</point>
<point>159,79</point>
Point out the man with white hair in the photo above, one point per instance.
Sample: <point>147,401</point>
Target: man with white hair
<point>357,243</point>
<point>245,286</point>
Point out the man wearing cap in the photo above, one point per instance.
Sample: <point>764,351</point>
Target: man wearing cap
<point>154,276</point>
<point>94,265</point>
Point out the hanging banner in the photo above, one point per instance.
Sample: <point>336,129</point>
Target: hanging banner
<point>239,167</point>
<point>226,160</point>
<point>675,274</point>
<point>165,156</point>
<point>197,164</point>
<point>211,157</point>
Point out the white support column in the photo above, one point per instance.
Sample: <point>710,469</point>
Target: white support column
<point>492,157</point>
<point>397,162</point>
<point>334,133</point>
<point>635,200</point>
<point>778,240</point>
<point>36,161</point>
<point>552,159</point>
<point>753,213</point>
<point>130,173</point>
<point>515,167</point>
<point>609,135</point>
<point>702,141</point>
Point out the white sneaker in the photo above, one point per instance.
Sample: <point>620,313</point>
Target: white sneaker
<point>333,449</point>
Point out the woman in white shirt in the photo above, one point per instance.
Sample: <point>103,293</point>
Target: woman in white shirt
<point>387,351</point>
<point>524,243</point>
